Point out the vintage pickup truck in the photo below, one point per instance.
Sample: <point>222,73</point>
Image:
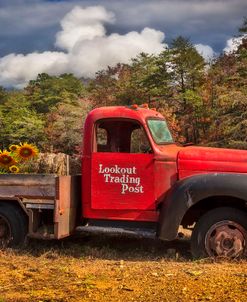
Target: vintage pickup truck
<point>135,177</point>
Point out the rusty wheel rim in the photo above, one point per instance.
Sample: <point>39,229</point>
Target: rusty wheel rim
<point>5,232</point>
<point>226,238</point>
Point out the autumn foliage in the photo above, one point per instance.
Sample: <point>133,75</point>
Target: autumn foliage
<point>204,102</point>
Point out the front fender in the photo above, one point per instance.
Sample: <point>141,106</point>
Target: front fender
<point>188,191</point>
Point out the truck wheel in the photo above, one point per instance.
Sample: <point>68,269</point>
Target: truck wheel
<point>13,226</point>
<point>220,232</point>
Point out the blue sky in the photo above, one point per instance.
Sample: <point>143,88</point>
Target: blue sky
<point>28,28</point>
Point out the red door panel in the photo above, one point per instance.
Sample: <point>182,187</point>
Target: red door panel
<point>123,181</point>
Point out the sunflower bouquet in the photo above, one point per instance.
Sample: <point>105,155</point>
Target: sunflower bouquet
<point>17,158</point>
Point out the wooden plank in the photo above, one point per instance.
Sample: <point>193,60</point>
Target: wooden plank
<point>28,192</point>
<point>38,201</point>
<point>27,179</point>
<point>67,206</point>
<point>28,186</point>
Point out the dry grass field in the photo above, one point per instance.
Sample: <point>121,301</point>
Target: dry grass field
<point>108,268</point>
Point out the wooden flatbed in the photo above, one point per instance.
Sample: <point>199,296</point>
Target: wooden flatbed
<point>51,203</point>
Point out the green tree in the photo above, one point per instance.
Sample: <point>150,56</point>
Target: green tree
<point>21,125</point>
<point>228,78</point>
<point>146,77</point>
<point>150,75</point>
<point>188,71</point>
<point>19,122</point>
<point>187,64</point>
<point>3,95</point>
<point>47,91</point>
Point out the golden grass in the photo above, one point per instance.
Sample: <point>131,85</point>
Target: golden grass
<point>117,269</point>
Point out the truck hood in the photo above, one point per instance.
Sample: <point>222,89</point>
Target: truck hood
<point>205,159</point>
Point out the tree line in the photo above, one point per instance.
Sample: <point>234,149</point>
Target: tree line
<point>204,102</point>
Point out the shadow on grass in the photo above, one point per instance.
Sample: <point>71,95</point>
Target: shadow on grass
<point>110,247</point>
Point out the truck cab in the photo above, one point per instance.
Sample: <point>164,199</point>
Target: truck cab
<point>129,162</point>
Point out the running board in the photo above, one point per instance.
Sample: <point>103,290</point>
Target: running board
<point>146,233</point>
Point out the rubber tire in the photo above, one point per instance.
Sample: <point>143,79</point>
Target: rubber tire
<point>17,222</point>
<point>207,220</point>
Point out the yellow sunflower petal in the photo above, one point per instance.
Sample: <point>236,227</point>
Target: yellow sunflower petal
<point>13,148</point>
<point>6,159</point>
<point>26,151</point>
<point>14,169</point>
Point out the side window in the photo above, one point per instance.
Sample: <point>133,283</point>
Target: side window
<point>139,142</point>
<point>122,136</point>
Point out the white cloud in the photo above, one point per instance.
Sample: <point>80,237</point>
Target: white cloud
<point>206,51</point>
<point>90,56</point>
<point>83,24</point>
<point>232,44</point>
<point>87,48</point>
<point>17,69</point>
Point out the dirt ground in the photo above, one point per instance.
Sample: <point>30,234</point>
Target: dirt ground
<point>108,268</point>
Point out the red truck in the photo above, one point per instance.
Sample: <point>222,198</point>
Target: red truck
<point>135,177</point>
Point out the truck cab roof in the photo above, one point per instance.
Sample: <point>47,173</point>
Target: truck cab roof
<point>139,113</point>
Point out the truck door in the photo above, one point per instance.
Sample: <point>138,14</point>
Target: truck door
<point>122,167</point>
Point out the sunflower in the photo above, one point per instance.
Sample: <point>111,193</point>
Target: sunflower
<point>14,169</point>
<point>6,160</point>
<point>13,148</point>
<point>26,151</point>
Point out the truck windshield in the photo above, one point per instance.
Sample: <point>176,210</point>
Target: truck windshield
<point>160,131</point>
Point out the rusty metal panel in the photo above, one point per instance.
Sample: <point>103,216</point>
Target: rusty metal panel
<point>67,205</point>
